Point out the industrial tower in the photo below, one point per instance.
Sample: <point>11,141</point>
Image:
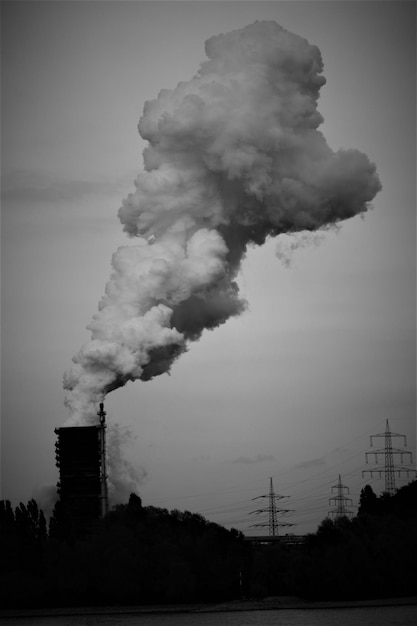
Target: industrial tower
<point>388,451</point>
<point>103,471</point>
<point>272,510</point>
<point>81,460</point>
<point>340,501</point>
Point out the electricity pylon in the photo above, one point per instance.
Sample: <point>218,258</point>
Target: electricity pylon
<point>340,501</point>
<point>273,512</point>
<point>388,451</point>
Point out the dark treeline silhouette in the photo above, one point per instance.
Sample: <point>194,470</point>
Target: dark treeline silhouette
<point>148,555</point>
<point>135,555</point>
<point>370,556</point>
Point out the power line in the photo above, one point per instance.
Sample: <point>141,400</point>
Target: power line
<point>389,453</point>
<point>309,501</point>
<point>340,501</point>
<point>272,510</point>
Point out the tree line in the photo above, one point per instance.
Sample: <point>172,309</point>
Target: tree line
<point>372,555</point>
<point>149,555</point>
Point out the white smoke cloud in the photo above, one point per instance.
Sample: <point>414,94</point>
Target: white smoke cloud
<point>289,243</point>
<point>233,156</point>
<point>123,476</point>
<point>46,496</point>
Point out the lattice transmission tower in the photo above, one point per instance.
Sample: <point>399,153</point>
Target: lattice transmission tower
<point>273,511</point>
<point>340,501</point>
<point>389,453</point>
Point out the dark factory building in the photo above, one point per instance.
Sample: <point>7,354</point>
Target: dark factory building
<point>82,487</point>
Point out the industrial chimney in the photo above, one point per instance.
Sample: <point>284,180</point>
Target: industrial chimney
<point>81,460</point>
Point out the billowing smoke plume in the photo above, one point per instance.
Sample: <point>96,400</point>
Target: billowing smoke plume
<point>233,157</point>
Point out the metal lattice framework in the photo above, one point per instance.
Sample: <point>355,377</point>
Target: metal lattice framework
<point>103,473</point>
<point>273,511</point>
<point>389,453</point>
<point>340,501</point>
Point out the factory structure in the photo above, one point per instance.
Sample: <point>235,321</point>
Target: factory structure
<point>81,460</point>
<point>83,494</point>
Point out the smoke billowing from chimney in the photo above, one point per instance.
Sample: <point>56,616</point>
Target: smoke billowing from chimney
<point>234,156</point>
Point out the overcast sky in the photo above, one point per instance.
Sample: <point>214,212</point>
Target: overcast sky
<point>326,351</point>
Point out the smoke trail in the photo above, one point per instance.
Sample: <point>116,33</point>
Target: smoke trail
<point>123,476</point>
<point>233,157</point>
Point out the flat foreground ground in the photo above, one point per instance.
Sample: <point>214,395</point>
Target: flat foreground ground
<point>273,603</point>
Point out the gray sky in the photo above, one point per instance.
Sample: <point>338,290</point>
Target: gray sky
<point>326,351</point>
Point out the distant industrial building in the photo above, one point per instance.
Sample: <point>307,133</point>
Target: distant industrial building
<point>82,486</point>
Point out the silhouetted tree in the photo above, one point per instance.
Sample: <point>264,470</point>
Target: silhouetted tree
<point>368,502</point>
<point>404,501</point>
<point>6,515</point>
<point>371,555</point>
<point>8,537</point>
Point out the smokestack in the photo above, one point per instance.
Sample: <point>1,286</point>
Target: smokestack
<point>103,473</point>
<point>234,156</point>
